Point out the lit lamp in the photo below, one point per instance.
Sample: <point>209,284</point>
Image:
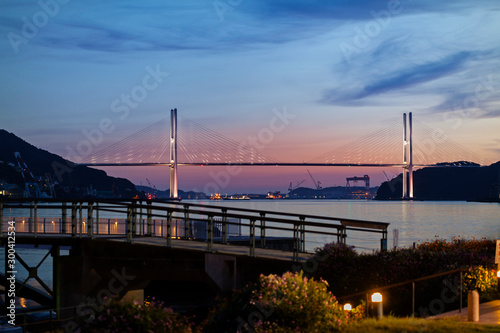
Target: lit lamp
<point>498,280</point>
<point>377,300</point>
<point>347,307</point>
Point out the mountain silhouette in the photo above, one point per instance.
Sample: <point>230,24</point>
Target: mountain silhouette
<point>71,180</point>
<point>463,181</point>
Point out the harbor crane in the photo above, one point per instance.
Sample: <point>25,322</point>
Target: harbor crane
<point>316,183</point>
<point>153,188</point>
<point>386,177</point>
<point>291,187</point>
<point>365,178</point>
<point>151,185</point>
<point>30,184</point>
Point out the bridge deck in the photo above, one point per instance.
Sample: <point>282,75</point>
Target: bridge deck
<point>188,245</point>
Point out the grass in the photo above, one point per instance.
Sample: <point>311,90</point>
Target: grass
<point>414,325</point>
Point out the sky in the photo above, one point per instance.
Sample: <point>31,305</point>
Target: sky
<point>302,77</point>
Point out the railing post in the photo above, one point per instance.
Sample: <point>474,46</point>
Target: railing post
<point>296,241</point>
<point>44,225</point>
<point>252,237</point>
<point>97,218</point>
<point>36,218</point>
<point>64,216</point>
<point>262,230</point>
<point>460,291</point>
<point>30,222</point>
<point>187,223</point>
<point>134,217</point>
<point>141,222</point>
<point>150,213</point>
<point>302,247</point>
<point>1,217</point>
<point>169,228</point>
<point>383,241</point>
<point>90,218</point>
<point>81,218</point>
<point>342,234</point>
<point>129,223</point>
<point>73,219</point>
<point>210,240</point>
<point>413,299</point>
<point>224,226</point>
<point>56,277</point>
<point>109,226</point>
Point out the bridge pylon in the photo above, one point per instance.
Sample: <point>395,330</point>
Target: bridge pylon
<point>407,157</point>
<point>173,154</point>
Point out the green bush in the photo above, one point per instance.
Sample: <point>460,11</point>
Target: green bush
<point>125,316</point>
<point>349,272</point>
<point>287,303</point>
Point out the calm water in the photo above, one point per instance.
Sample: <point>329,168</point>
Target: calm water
<point>415,222</point>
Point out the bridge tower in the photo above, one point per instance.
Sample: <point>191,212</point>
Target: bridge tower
<point>407,157</point>
<point>173,154</point>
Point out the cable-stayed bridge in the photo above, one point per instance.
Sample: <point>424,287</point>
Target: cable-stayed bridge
<point>190,143</point>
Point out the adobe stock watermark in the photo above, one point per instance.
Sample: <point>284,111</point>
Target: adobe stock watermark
<point>89,308</point>
<point>371,30</point>
<point>252,143</point>
<point>225,6</point>
<point>470,105</point>
<point>467,108</point>
<point>449,294</point>
<point>31,26</point>
<point>121,107</point>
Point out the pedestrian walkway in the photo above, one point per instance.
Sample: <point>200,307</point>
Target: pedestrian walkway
<point>489,313</point>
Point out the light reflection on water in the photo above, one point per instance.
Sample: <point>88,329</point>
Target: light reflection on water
<point>416,221</point>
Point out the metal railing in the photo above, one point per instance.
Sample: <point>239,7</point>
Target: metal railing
<point>413,282</point>
<point>180,220</point>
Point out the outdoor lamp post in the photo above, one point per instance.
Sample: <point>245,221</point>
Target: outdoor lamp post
<point>347,307</point>
<point>377,301</point>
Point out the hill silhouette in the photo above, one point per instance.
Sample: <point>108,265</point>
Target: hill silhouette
<point>72,180</point>
<point>464,181</point>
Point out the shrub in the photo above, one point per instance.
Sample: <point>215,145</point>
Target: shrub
<point>481,279</point>
<point>348,272</point>
<point>287,303</point>
<point>125,316</point>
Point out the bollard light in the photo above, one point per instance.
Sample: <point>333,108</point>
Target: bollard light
<point>377,298</point>
<point>377,301</point>
<point>347,307</point>
<point>498,274</point>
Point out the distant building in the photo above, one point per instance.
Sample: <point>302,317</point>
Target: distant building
<point>10,190</point>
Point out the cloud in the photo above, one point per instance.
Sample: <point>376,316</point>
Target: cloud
<point>359,10</point>
<point>401,79</point>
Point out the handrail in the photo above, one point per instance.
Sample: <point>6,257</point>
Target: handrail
<point>413,281</point>
<point>169,210</point>
<point>346,221</point>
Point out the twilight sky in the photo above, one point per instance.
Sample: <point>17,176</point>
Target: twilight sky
<point>335,71</point>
